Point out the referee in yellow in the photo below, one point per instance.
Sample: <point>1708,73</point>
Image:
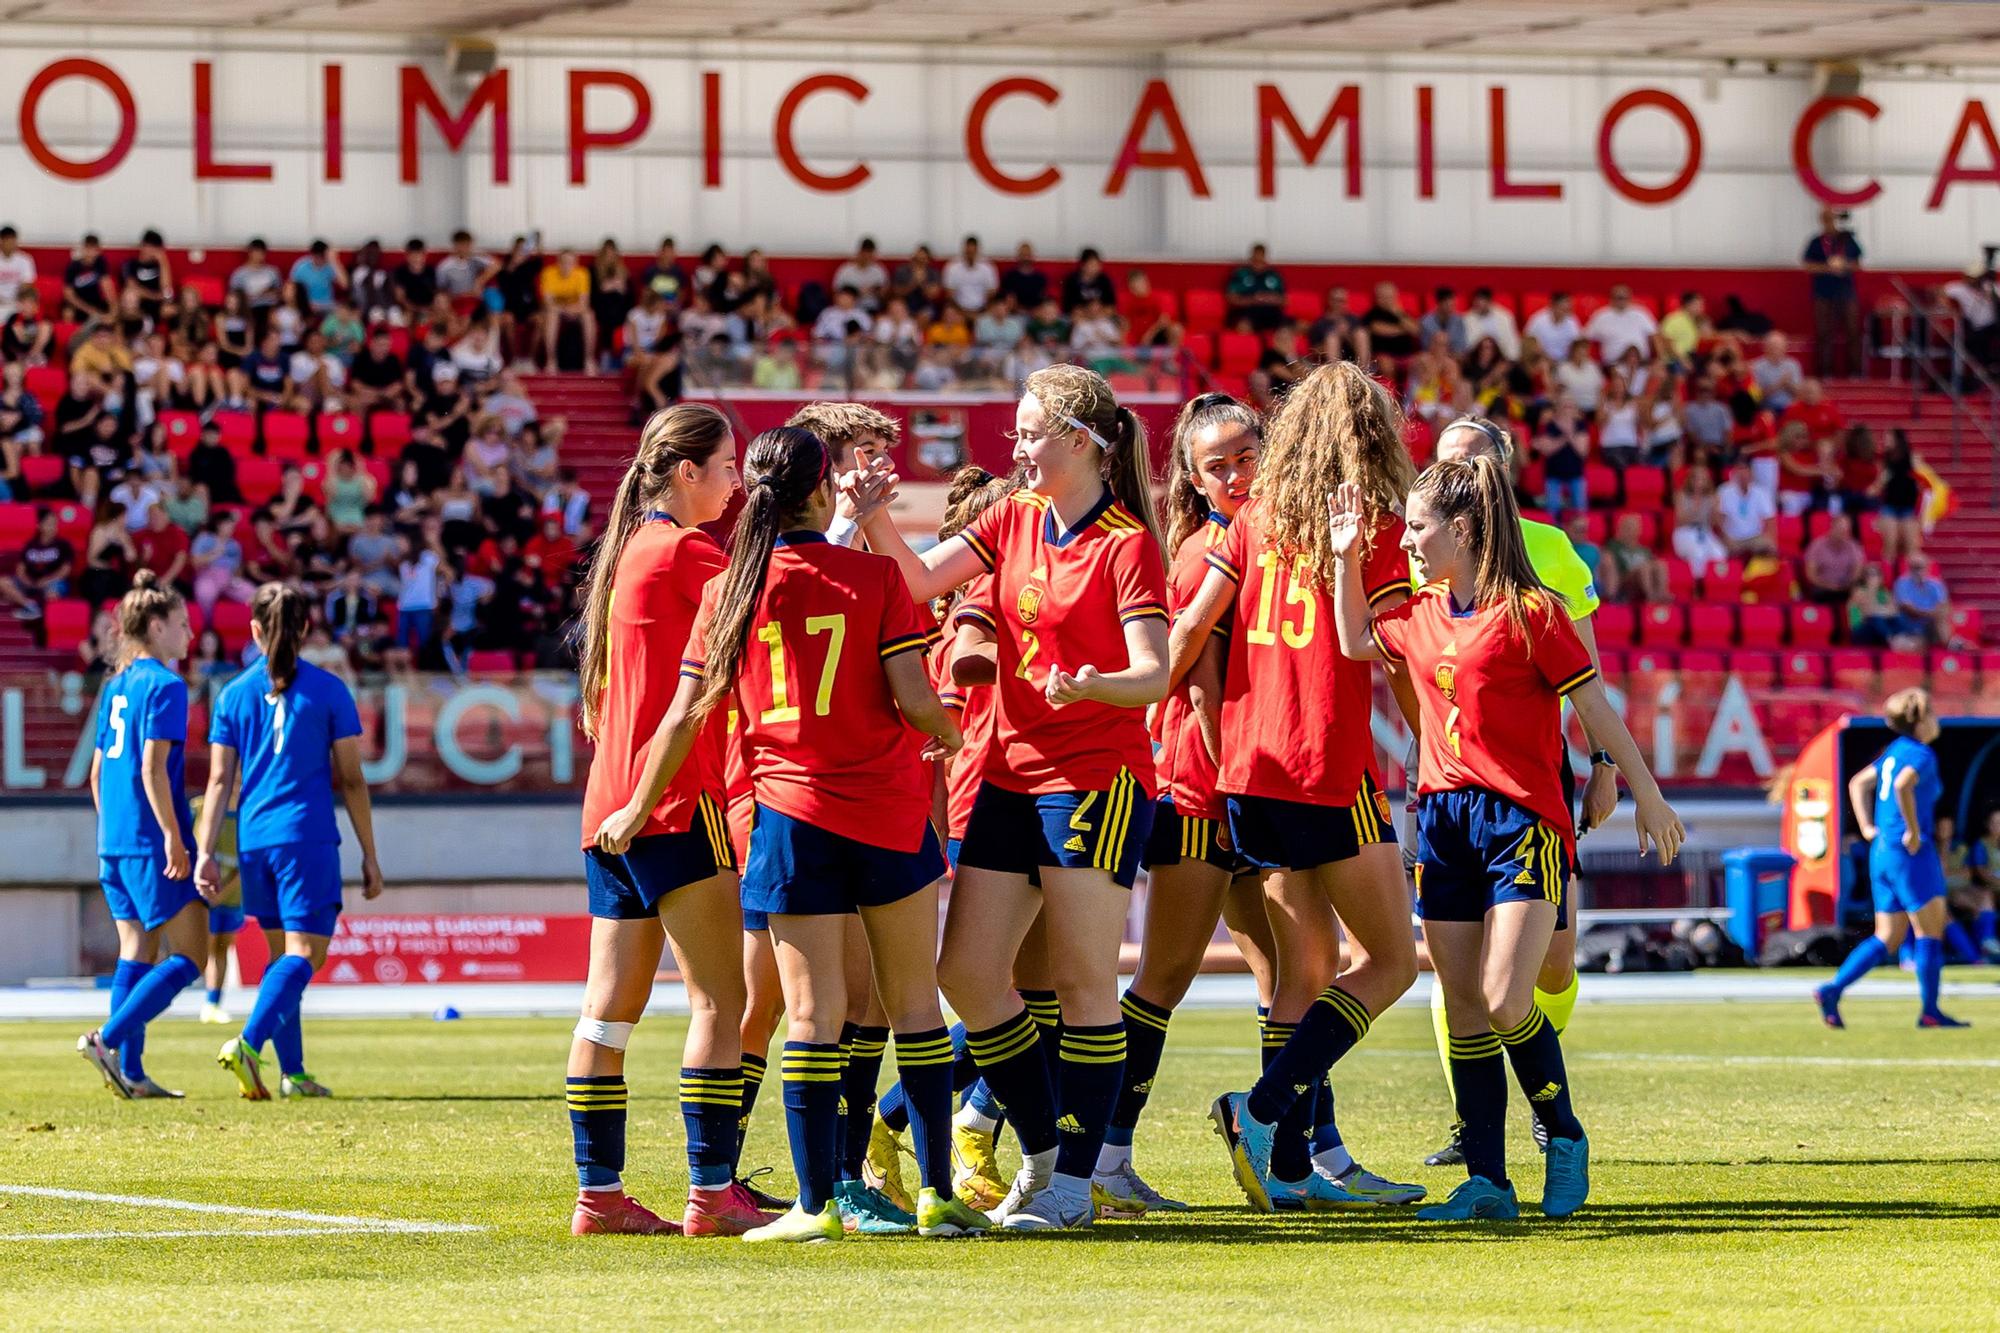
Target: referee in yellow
<point>1558,565</point>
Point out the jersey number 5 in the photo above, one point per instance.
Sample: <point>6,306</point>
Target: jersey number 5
<point>117,722</point>
<point>782,709</point>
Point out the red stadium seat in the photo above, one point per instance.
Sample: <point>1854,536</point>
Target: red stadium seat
<point>1760,626</point>
<point>389,430</point>
<point>1702,674</point>
<point>1803,669</point>
<point>183,431</point>
<point>1968,624</point>
<point>258,479</point>
<point>1600,484</point>
<point>1989,668</point>
<point>1650,304</point>
<point>1711,626</point>
<point>1596,526</point>
<point>1680,579</point>
<point>1168,302</point>
<point>1791,534</point>
<point>47,383</point>
<point>285,435</point>
<point>313,471</point>
<point>1611,665</point>
<point>1532,302</point>
<point>1649,661</point>
<point>1587,304</point>
<point>1901,671</point>
<point>1723,583</point>
<point>1871,536</point>
<point>1534,480</point>
<point>1239,353</point>
<point>1953,675</point>
<point>1200,349</point>
<point>1205,311</point>
<point>1614,624</point>
<point>1817,522</point>
<point>1645,488</point>
<point>1304,307</point>
<point>1812,625</point>
<point>1649,525</point>
<point>17,525</point>
<point>206,286</point>
<point>378,468</point>
<point>1853,669</point>
<point>490,662</point>
<point>1755,670</point>
<point>232,621</point>
<point>65,623</point>
<point>339,430</point>
<point>42,473</point>
<point>1663,625</point>
<point>72,524</point>
<point>239,431</point>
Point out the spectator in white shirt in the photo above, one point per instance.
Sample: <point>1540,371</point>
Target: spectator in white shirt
<point>1777,373</point>
<point>1622,325</point>
<point>1554,327</point>
<point>1581,376</point>
<point>865,274</point>
<point>970,279</point>
<point>464,271</point>
<point>896,329</point>
<point>1746,514</point>
<point>569,500</point>
<point>1484,319</point>
<point>844,317</point>
<point>257,277</point>
<point>17,270</point>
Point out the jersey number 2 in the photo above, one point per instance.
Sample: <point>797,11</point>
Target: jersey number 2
<point>782,709</point>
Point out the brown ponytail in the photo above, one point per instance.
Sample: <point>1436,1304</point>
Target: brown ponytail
<point>1187,507</point>
<point>1478,491</point>
<point>280,614</point>
<point>683,433</point>
<point>781,471</point>
<point>1070,393</point>
<point>149,602</point>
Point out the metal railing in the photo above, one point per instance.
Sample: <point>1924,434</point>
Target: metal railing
<point>860,367</point>
<point>1926,340</point>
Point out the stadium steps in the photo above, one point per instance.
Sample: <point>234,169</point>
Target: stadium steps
<point>600,437</point>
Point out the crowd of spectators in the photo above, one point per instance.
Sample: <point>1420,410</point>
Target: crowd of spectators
<point>358,428</point>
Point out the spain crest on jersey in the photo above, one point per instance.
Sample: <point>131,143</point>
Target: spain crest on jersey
<point>1446,677</point>
<point>1029,604</point>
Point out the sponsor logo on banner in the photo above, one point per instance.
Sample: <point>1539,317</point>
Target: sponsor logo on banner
<point>407,950</point>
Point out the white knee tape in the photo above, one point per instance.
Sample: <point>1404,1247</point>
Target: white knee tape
<point>611,1036</point>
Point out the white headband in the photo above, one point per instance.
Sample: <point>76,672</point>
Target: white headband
<point>1100,441</point>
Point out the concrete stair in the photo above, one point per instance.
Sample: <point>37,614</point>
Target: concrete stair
<point>601,439</point>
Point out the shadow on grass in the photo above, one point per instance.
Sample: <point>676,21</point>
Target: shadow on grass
<point>1795,1161</point>
<point>456,1097</point>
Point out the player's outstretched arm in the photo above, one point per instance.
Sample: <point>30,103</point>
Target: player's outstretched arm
<point>360,810</point>
<point>1658,824</point>
<point>1196,622</point>
<point>920,705</point>
<point>673,740</point>
<point>215,804</point>
<point>1137,685</point>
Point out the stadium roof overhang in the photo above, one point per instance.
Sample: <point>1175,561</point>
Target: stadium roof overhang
<point>1775,31</point>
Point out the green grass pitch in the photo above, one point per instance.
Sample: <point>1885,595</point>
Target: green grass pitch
<point>1751,1169</point>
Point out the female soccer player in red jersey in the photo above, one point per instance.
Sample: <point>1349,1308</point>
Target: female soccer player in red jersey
<point>1080,589</point>
<point>822,648</point>
<point>1492,654</point>
<point>672,877</point>
<point>1297,766</point>
<point>764,997</point>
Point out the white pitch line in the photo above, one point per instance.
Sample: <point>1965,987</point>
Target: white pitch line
<point>1677,1058</point>
<point>180,1235</point>
<point>236,1210</point>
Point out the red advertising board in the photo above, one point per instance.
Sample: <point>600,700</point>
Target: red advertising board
<point>386,950</point>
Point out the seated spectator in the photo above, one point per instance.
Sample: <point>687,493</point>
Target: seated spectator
<point>465,272</point>
<point>350,490</point>
<point>1444,317</point>
<point>845,318</point>
<point>470,595</point>
<point>1144,314</point>
<point>43,569</point>
<point>1897,493</point>
<point>1777,374</point>
<point>1581,377</point>
<point>865,274</point>
<point>219,563</point>
<point>1256,291</point>
<point>1697,519</point>
<point>208,661</point>
<point>570,501</point>
<point>949,330</point>
<point>646,325</point>
<point>1391,331</point>
<point>106,362</point>
<point>1618,423</point>
<point>344,331</point>
<point>1833,563</point>
<point>1433,381</point>
<point>88,291</point>
<point>256,279</point>
<point>415,281</point>
<point>1660,421</point>
<point>551,553</point>
<point>163,548</point>
<point>477,357</point>
<point>1024,281</point>
<point>1000,325</point>
<point>1088,281</point>
<point>1097,336</point>
<point>149,275</point>
<point>1808,474</point>
<point>102,460</point>
<point>1563,444</point>
<point>1577,528</point>
<point>108,556</point>
<point>610,298</point>
<point>776,365</point>
<point>1746,515</point>
<point>1858,469</point>
<point>186,505</point>
<point>17,272</point>
<point>510,402</point>
<point>1555,328</point>
<point>102,648</point>
<point>1629,570</point>
<point>485,457</point>
<point>138,497</point>
<point>353,612</point>
<point>1873,619</point>
<point>523,610</point>
<point>1284,363</point>
<point>970,279</point>
<point>459,511</point>
<point>377,379</point>
<point>1821,419</point>
<point>1622,325</point>
<point>373,553</point>
<point>1924,603</point>
<point>21,414</point>
<point>318,377</point>
<point>27,338</point>
<point>269,373</point>
<point>565,293</point>
<point>212,467</point>
<point>1706,418</point>
<point>318,277</point>
<point>1485,318</point>
<point>534,457</point>
<point>418,574</point>
<point>934,372</point>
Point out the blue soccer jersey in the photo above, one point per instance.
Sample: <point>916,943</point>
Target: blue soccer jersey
<point>285,747</point>
<point>144,702</point>
<point>1905,753</point>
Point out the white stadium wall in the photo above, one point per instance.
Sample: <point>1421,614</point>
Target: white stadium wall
<point>879,143</point>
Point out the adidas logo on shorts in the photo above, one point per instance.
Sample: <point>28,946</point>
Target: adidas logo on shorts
<point>1075,843</point>
<point>1525,877</point>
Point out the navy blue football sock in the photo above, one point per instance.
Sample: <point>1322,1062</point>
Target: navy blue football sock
<point>1535,1051</point>
<point>710,1102</point>
<point>1145,1042</point>
<point>923,1069</point>
<point>1093,1059</point>
<point>1479,1089</point>
<point>811,1073</point>
<point>1011,1064</point>
<point>597,1128</point>
<point>865,1047</point>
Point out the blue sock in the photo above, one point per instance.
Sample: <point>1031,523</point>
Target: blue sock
<point>1011,1064</point>
<point>980,1097</point>
<point>711,1100</point>
<point>811,1072</point>
<point>923,1067</point>
<point>1046,1010</point>
<point>753,1081</point>
<point>148,999</point>
<point>1986,928</point>
<point>1535,1051</point>
<point>1328,1030</point>
<point>1145,1042</point>
<point>1479,1089</point>
<point>1958,945</point>
<point>1291,1155</point>
<point>1325,1133</point>
<point>288,1039</point>
<point>131,1056</point>
<point>1868,955</point>
<point>1930,971</point>
<point>597,1127</point>
<point>1093,1065</point>
<point>214,994</point>
<point>277,995</point>
<point>865,1049</point>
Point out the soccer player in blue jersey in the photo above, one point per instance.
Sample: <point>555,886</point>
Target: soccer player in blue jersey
<point>1894,800</point>
<point>143,830</point>
<point>293,731</point>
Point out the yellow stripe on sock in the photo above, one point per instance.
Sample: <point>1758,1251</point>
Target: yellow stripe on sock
<point>1524,1030</point>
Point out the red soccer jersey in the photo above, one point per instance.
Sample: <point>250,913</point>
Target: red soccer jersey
<point>974,706</point>
<point>1295,710</point>
<point>827,744</point>
<point>1187,769</point>
<point>1490,699</point>
<point>655,591</point>
<point>1062,599</point>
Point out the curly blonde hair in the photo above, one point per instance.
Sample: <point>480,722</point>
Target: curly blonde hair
<point>1335,425</point>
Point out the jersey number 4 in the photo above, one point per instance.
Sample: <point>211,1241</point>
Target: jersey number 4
<point>782,709</point>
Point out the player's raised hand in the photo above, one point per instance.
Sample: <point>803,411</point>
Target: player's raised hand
<point>1344,509</point>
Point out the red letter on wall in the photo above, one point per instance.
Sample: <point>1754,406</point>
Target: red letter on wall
<point>582,140</point>
<point>1273,113</point>
<point>454,130</point>
<point>1802,158</point>
<point>975,136</point>
<point>1690,166</point>
<point>1157,100</point>
<point>711,129</point>
<point>788,153</point>
<point>38,148</point>
<point>1949,172</point>
<point>333,136</point>
<point>206,168</point>
<point>1496,111</point>
<point>1427,187</point>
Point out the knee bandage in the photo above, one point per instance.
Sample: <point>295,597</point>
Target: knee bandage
<point>611,1036</point>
